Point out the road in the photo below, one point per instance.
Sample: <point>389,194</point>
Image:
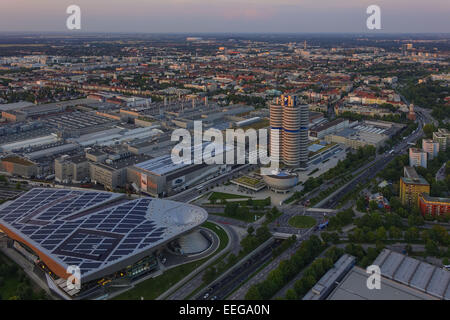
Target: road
<point>263,274</point>
<point>186,289</point>
<point>221,289</point>
<point>375,167</point>
<point>440,175</point>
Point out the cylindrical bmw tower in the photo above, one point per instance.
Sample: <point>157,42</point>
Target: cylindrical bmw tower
<point>276,132</point>
<point>291,120</point>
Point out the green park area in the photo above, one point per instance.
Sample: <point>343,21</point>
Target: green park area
<point>15,284</point>
<point>249,181</point>
<point>302,222</point>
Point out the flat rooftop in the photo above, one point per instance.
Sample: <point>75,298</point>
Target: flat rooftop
<point>418,180</point>
<point>353,287</point>
<point>164,165</point>
<point>403,278</point>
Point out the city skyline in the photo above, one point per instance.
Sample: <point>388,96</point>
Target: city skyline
<point>198,16</point>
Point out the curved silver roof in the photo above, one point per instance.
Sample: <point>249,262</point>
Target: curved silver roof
<point>95,230</point>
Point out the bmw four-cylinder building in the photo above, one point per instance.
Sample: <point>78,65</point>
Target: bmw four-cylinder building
<point>103,234</point>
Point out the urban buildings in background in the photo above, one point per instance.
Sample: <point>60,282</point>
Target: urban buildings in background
<point>442,137</point>
<point>417,158</point>
<point>84,115</point>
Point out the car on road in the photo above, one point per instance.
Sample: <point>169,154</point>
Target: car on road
<point>206,296</point>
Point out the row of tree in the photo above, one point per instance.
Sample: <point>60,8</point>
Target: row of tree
<point>23,288</point>
<point>253,239</point>
<point>286,270</point>
<point>313,273</point>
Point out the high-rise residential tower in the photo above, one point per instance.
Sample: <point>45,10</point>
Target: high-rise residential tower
<point>289,122</point>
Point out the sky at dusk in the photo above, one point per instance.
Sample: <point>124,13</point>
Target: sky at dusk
<point>198,16</point>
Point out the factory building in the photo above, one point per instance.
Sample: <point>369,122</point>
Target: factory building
<point>402,278</point>
<point>18,166</point>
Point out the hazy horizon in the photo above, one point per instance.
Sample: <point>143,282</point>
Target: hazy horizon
<point>226,16</point>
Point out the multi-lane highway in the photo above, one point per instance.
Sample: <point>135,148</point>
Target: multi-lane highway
<point>221,289</point>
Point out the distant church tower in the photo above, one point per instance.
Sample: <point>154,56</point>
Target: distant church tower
<point>411,114</point>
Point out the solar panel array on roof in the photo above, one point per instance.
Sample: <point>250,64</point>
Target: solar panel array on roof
<point>78,228</point>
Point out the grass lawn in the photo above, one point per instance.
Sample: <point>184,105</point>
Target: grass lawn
<point>9,286</point>
<point>303,222</point>
<point>150,289</point>
<point>252,182</point>
<point>222,195</point>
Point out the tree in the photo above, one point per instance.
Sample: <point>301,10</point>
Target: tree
<point>428,129</point>
<point>411,234</point>
<point>210,274</point>
<point>371,236</point>
<point>361,204</point>
<point>373,206</point>
<point>24,291</point>
<point>263,233</point>
<point>291,295</point>
<point>253,294</point>
<point>395,233</point>
<point>431,248</point>
<point>357,235</point>
<point>300,287</point>
<point>250,230</point>
<point>334,253</point>
<point>330,237</point>
<point>415,220</point>
<point>381,234</point>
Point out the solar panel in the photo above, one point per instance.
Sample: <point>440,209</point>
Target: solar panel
<point>66,224</point>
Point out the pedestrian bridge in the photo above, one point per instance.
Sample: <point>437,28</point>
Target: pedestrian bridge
<point>321,210</point>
